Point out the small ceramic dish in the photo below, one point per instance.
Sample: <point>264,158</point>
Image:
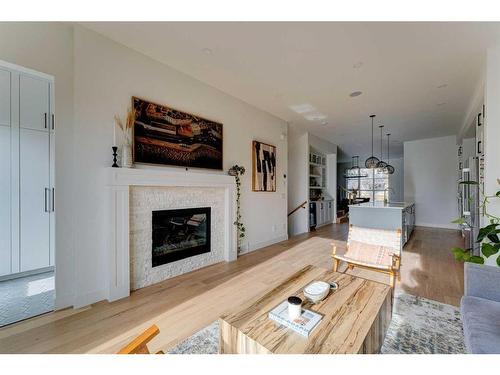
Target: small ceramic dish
<point>316,291</point>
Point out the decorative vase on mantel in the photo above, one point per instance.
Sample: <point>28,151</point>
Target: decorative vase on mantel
<point>127,161</point>
<point>127,132</point>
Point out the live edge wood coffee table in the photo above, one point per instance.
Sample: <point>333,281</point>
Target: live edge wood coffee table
<point>355,318</point>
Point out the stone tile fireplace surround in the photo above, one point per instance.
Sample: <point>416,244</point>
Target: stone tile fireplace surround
<point>134,194</point>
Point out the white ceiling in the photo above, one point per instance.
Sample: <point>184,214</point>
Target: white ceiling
<point>397,66</point>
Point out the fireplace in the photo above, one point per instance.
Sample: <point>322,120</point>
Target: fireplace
<point>179,234</point>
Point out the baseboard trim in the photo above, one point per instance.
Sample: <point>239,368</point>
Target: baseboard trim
<point>88,299</point>
<point>262,244</point>
<point>64,301</point>
<point>437,226</point>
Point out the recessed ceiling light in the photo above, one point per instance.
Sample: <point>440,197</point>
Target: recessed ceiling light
<point>440,104</point>
<point>442,86</point>
<point>324,122</point>
<point>302,108</point>
<point>355,93</point>
<point>315,116</point>
<point>207,51</point>
<point>358,65</point>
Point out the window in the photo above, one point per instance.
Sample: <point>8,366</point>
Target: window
<point>373,184</point>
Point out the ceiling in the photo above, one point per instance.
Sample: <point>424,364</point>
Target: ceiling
<point>417,77</point>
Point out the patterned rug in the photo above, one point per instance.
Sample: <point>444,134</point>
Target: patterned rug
<point>418,326</point>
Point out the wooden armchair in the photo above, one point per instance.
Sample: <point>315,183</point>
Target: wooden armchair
<point>373,249</point>
<point>139,344</point>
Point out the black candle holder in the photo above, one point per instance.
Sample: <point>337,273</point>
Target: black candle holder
<point>115,149</point>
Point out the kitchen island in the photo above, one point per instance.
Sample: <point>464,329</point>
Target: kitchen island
<point>380,215</point>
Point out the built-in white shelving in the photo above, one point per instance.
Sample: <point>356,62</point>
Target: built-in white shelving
<point>317,174</point>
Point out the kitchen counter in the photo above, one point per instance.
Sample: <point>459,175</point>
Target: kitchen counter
<point>397,205</point>
<point>380,215</point>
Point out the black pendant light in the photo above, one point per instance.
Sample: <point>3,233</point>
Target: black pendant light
<point>372,161</point>
<point>389,169</point>
<point>381,164</point>
<point>350,170</point>
<point>355,168</point>
<point>354,171</point>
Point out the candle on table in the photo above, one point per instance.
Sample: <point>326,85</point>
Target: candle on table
<point>114,134</point>
<point>294,307</point>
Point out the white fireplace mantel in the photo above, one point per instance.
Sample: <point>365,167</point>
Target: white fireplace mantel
<point>119,182</point>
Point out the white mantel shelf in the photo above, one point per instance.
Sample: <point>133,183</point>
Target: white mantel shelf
<point>161,177</point>
<point>119,181</point>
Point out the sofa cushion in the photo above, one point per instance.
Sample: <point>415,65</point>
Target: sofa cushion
<point>481,321</point>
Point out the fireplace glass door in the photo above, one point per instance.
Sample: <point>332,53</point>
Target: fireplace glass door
<point>179,234</point>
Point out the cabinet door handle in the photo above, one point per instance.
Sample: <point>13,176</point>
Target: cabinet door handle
<point>53,199</point>
<point>46,205</point>
<point>53,122</point>
<point>479,147</point>
<point>45,120</point>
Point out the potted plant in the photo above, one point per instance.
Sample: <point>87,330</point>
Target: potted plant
<point>127,137</point>
<point>488,235</point>
<point>238,171</point>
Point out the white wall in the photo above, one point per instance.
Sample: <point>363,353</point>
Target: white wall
<point>322,145</point>
<point>48,48</point>
<point>107,74</point>
<point>94,80</point>
<point>430,180</point>
<point>298,176</point>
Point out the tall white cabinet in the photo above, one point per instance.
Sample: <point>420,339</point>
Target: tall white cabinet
<point>27,193</point>
<point>5,173</point>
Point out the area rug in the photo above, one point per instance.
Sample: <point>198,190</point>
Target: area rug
<point>418,326</point>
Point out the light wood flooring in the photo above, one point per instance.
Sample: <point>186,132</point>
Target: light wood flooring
<point>187,303</point>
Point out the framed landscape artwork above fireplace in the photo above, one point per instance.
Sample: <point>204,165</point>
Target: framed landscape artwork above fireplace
<point>163,135</point>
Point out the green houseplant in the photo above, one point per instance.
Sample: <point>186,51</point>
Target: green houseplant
<point>238,171</point>
<point>488,235</point>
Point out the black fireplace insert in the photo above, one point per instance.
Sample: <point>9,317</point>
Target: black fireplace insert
<point>179,234</point>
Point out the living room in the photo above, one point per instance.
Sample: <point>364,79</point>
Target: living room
<point>187,187</point>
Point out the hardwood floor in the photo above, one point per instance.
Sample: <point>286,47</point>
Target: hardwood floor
<point>187,303</point>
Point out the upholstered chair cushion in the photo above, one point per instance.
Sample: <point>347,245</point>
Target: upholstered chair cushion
<point>379,237</point>
<point>369,253</point>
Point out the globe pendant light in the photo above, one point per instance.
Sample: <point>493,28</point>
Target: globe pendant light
<point>381,164</point>
<point>372,161</point>
<point>348,171</point>
<point>389,169</point>
<point>355,169</point>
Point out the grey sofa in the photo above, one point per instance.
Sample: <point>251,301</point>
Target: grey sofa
<point>480,308</point>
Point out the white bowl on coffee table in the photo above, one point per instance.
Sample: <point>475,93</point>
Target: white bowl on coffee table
<point>316,291</point>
